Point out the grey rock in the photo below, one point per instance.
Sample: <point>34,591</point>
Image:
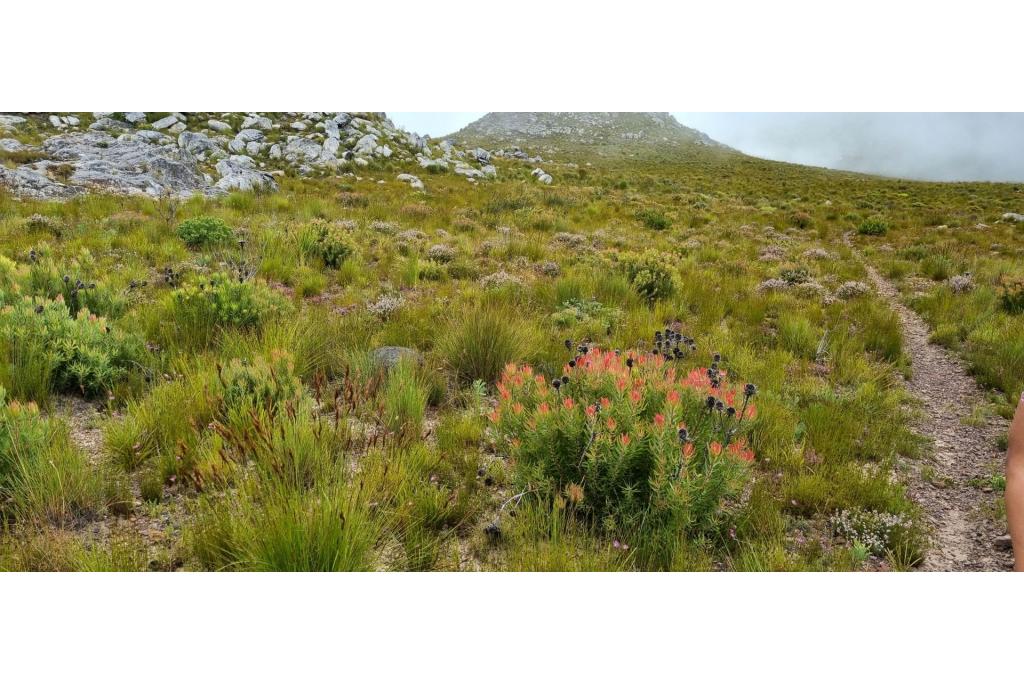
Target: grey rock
<point>254,148</point>
<point>177,128</point>
<point>218,126</point>
<point>481,155</point>
<point>331,146</point>
<point>247,135</point>
<point>153,137</point>
<point>468,171</point>
<point>56,122</point>
<point>413,181</point>
<point>366,145</point>
<point>302,149</point>
<point>258,121</point>
<point>1013,216</point>
<point>196,143</point>
<point>10,120</point>
<point>237,146</point>
<point>298,126</point>
<point>11,145</point>
<point>108,124</point>
<point>166,122</point>
<point>432,164</point>
<point>27,182</point>
<point>135,117</point>
<point>275,151</point>
<point>125,166</point>
<point>238,172</point>
<point>72,120</point>
<point>388,357</point>
<point>489,170</point>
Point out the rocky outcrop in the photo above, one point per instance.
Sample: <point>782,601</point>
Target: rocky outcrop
<point>211,153</point>
<point>239,172</point>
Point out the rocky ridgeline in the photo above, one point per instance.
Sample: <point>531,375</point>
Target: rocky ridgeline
<point>185,153</point>
<point>657,129</point>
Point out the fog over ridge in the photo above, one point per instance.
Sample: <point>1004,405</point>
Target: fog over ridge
<point>920,145</point>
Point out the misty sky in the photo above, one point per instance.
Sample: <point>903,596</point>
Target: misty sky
<point>931,146</point>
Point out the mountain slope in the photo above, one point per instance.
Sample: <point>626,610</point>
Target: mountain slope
<point>604,133</point>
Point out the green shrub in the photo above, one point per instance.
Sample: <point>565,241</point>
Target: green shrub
<point>263,384</point>
<point>654,219</point>
<point>331,244</point>
<point>800,219</point>
<point>193,314</point>
<point>1011,296</point>
<point>44,348</point>
<point>629,444</point>
<point>204,230</point>
<point>873,226</point>
<point>650,274</point>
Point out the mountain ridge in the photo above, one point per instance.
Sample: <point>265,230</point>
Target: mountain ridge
<point>603,132</point>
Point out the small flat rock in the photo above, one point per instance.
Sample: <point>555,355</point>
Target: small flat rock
<point>387,357</point>
<point>166,122</point>
<point>1004,543</point>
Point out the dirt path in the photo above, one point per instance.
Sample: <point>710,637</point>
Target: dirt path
<point>963,538</point>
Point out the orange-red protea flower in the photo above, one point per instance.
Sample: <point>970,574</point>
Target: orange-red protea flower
<point>610,423</point>
<point>517,408</point>
<point>624,439</point>
<point>715,447</point>
<point>568,403</point>
<point>605,403</point>
<point>688,450</point>
<point>672,397</point>
<point>591,410</point>
<point>543,408</point>
<point>659,420</point>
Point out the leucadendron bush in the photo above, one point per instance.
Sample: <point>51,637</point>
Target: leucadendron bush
<point>351,374</point>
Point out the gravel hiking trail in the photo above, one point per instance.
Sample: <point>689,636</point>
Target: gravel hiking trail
<point>965,455</point>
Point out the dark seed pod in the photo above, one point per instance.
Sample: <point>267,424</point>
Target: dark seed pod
<point>717,357</point>
<point>39,309</point>
<point>710,402</point>
<point>572,363</point>
<point>719,405</point>
<point>556,383</point>
<point>749,390</point>
<point>629,362</point>
<point>568,344</point>
<point>493,531</point>
<point>730,412</point>
<point>565,380</point>
<point>683,435</point>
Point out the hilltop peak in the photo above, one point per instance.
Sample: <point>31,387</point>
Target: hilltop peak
<point>601,129</point>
